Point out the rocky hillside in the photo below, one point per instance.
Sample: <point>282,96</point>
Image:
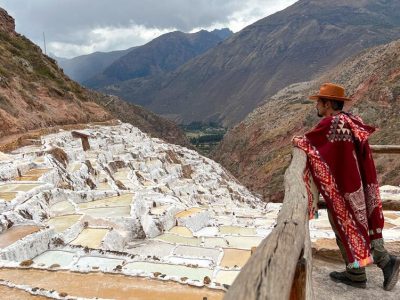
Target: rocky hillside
<point>258,149</point>
<point>84,67</point>
<point>35,94</point>
<point>293,45</point>
<point>161,55</point>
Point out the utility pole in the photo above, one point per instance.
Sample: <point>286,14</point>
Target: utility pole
<point>44,42</point>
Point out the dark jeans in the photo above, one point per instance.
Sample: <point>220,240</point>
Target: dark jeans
<point>379,253</point>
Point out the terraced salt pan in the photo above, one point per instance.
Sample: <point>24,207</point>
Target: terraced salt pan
<point>200,252</point>
<point>215,242</point>
<point>108,212</point>
<point>226,277</point>
<point>150,247</point>
<point>170,270</point>
<point>15,233</point>
<point>207,231</point>
<point>122,200</point>
<point>159,210</point>
<point>188,212</point>
<point>177,239</point>
<point>181,230</point>
<point>107,286</point>
<point>103,186</point>
<point>93,262</point>
<point>237,230</point>
<point>18,187</point>
<point>264,222</point>
<point>63,222</point>
<point>243,242</point>
<point>7,196</point>
<point>62,208</point>
<point>33,175</point>
<point>55,257</point>
<point>235,258</point>
<point>90,237</point>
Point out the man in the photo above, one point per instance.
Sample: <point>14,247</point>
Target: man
<point>341,164</point>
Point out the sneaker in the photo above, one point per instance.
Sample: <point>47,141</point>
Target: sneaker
<point>342,278</point>
<point>391,273</point>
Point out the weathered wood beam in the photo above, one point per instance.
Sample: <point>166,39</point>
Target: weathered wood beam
<point>385,148</point>
<point>270,271</point>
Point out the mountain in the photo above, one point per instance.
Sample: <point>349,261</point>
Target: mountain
<point>35,94</point>
<point>84,67</point>
<point>258,149</point>
<point>160,55</point>
<point>293,45</point>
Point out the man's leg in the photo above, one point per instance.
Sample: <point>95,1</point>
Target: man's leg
<point>389,264</point>
<point>352,276</point>
<point>380,254</point>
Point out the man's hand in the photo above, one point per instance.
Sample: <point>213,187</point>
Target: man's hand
<point>296,139</point>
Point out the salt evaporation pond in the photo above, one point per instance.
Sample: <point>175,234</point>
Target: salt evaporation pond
<point>235,258</point>
<point>54,257</point>
<point>90,237</point>
<point>170,270</point>
<point>108,212</point>
<point>15,233</point>
<point>62,207</point>
<point>61,223</point>
<point>123,200</point>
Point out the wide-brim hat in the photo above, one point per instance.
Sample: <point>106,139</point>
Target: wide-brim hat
<point>330,91</point>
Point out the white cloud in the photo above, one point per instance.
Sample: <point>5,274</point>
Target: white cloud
<point>107,39</point>
<point>75,27</point>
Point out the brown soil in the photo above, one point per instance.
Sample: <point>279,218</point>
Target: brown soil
<point>16,233</point>
<point>8,293</point>
<point>107,285</point>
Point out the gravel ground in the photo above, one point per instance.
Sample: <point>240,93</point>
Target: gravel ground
<point>326,289</point>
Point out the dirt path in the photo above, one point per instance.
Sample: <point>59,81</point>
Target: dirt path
<point>325,289</point>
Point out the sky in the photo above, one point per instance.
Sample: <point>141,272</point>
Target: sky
<point>77,27</point>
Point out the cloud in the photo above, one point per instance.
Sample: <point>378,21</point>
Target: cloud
<point>75,27</point>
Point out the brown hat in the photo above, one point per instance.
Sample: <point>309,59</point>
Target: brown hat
<point>330,91</point>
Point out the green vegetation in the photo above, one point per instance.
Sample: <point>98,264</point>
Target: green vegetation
<point>204,136</point>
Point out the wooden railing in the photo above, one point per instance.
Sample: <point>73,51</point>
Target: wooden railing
<point>281,266</point>
<point>388,149</point>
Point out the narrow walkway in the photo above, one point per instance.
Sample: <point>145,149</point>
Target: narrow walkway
<point>325,289</point>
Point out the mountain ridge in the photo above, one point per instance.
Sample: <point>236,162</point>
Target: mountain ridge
<point>35,94</point>
<point>296,44</point>
<point>258,149</point>
<point>163,54</point>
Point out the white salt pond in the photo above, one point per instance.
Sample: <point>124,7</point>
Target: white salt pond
<point>237,230</point>
<point>177,239</point>
<point>18,187</point>
<point>93,262</point>
<point>181,230</point>
<point>123,200</point>
<point>63,222</point>
<point>62,208</point>
<point>90,237</point>
<point>107,212</point>
<point>212,242</point>
<point>243,242</point>
<point>226,277</point>
<point>170,270</point>
<point>55,257</point>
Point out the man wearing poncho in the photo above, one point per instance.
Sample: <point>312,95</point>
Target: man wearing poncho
<point>341,164</point>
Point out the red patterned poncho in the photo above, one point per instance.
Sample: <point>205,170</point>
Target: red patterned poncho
<point>342,167</point>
